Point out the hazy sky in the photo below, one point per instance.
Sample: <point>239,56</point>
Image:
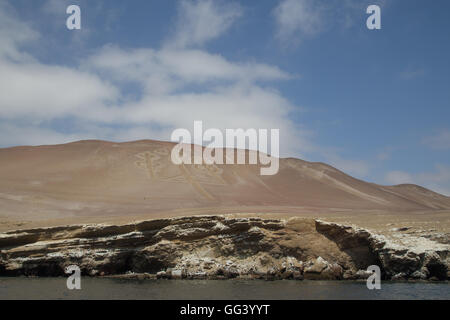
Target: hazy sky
<point>374,103</point>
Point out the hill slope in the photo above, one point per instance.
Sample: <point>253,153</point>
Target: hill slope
<point>98,178</point>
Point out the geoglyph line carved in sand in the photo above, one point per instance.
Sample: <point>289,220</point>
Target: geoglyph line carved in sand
<point>158,167</point>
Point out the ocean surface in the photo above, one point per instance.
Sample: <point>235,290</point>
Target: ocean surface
<point>94,288</point>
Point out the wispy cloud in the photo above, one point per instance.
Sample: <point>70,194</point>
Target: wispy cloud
<point>412,73</point>
<point>385,153</point>
<point>200,21</point>
<point>440,141</point>
<point>296,19</point>
<point>437,180</point>
<point>14,35</point>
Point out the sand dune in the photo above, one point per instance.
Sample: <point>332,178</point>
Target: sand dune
<point>88,179</point>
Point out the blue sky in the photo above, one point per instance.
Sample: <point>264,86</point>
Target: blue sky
<point>374,103</point>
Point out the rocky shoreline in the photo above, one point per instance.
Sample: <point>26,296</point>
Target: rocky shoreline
<point>219,247</point>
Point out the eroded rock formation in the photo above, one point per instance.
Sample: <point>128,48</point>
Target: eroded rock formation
<point>217,247</point>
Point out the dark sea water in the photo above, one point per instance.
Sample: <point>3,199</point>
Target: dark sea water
<point>94,288</point>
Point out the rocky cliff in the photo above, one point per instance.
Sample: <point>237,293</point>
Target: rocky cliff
<point>217,247</point>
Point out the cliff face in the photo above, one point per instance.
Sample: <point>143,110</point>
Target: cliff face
<point>220,247</point>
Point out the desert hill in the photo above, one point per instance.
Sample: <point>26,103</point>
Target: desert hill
<point>98,178</point>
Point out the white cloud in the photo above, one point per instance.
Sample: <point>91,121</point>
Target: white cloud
<point>13,35</point>
<point>165,70</point>
<point>297,18</point>
<point>202,20</point>
<point>439,141</point>
<point>32,89</point>
<point>228,94</point>
<point>44,92</point>
<point>29,89</point>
